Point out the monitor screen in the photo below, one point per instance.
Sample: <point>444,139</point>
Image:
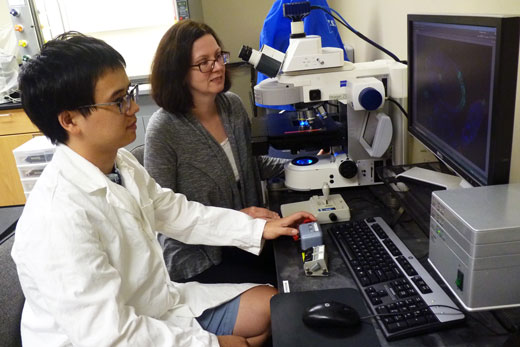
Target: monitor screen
<point>462,83</point>
<point>369,129</point>
<point>376,134</point>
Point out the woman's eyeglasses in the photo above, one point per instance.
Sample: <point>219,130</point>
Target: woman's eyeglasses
<point>209,65</point>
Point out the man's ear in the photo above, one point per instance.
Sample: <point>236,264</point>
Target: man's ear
<point>69,121</point>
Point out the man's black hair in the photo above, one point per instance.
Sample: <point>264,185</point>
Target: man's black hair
<point>62,77</point>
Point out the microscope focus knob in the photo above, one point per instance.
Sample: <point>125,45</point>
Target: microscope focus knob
<point>348,169</point>
<point>333,217</point>
<point>370,98</point>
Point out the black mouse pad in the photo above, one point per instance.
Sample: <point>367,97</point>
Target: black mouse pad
<point>289,330</point>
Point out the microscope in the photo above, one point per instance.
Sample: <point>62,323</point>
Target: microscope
<point>310,78</point>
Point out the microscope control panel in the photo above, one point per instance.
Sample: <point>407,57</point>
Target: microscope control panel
<point>326,210</point>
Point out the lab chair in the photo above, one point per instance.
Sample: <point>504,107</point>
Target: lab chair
<point>138,153</point>
<point>11,296</point>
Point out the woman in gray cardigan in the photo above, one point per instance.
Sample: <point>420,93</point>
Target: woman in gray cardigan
<point>198,144</point>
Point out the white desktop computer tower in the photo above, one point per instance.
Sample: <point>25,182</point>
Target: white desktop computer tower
<point>475,244</point>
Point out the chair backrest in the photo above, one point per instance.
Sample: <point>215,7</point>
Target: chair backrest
<point>11,296</point>
<point>138,153</point>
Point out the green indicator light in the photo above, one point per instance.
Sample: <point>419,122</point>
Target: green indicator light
<point>439,231</point>
<point>459,281</point>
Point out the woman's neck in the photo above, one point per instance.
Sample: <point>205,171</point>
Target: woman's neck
<point>207,114</point>
<point>204,108</point>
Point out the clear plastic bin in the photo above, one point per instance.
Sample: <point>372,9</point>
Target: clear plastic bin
<point>31,158</point>
<point>38,150</point>
<point>28,184</point>
<point>31,171</point>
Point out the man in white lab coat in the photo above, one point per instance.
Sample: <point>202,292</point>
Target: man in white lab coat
<point>85,248</point>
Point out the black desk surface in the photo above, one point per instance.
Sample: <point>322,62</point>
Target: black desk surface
<point>374,201</point>
<point>417,200</point>
<point>287,310</point>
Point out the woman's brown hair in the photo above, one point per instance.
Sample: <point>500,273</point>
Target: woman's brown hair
<point>171,65</point>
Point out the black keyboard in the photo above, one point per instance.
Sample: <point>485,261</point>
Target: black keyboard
<point>393,282</point>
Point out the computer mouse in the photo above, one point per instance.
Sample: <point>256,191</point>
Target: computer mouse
<point>331,314</point>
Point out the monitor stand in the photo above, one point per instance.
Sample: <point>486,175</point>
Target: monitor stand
<point>434,177</point>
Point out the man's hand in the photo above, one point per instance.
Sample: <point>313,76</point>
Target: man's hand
<point>260,212</point>
<point>324,151</point>
<point>232,341</point>
<point>286,226</point>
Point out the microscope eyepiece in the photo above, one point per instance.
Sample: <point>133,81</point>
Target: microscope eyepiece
<point>245,53</point>
<point>262,62</point>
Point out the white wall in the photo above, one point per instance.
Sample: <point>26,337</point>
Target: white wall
<point>385,22</point>
<point>237,23</point>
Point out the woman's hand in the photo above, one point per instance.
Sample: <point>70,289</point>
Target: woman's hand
<point>286,226</point>
<point>260,212</point>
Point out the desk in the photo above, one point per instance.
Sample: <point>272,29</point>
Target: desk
<point>367,202</point>
<point>416,202</point>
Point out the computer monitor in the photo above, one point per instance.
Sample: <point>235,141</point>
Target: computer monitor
<point>462,90</point>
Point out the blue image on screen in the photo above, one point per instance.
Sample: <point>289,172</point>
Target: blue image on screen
<point>454,99</point>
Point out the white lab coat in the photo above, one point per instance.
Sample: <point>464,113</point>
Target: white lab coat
<point>92,270</point>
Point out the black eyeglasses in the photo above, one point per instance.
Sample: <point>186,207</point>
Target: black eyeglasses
<point>209,65</point>
<point>124,103</point>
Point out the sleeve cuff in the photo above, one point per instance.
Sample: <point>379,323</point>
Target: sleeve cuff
<point>257,236</point>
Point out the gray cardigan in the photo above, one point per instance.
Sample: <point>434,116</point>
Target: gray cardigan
<point>182,155</point>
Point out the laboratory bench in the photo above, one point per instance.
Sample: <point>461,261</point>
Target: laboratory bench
<point>414,196</point>
<point>484,328</point>
<point>10,105</point>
